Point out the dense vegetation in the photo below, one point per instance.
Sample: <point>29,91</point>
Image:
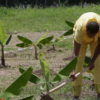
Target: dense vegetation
<point>45,3</point>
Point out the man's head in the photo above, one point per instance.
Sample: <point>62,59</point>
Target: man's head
<point>92,29</point>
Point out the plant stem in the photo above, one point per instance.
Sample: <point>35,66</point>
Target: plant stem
<point>47,87</point>
<point>35,51</point>
<point>2,56</point>
<point>53,47</point>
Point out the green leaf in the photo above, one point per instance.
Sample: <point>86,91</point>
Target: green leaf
<point>8,40</point>
<point>15,88</point>
<point>39,46</point>
<point>33,78</point>
<point>87,59</point>
<point>60,38</point>
<point>45,67</point>
<point>3,35</point>
<point>69,32</point>
<point>46,40</point>
<point>70,24</point>
<point>22,45</point>
<point>24,40</point>
<point>66,70</point>
<point>28,98</point>
<point>43,36</point>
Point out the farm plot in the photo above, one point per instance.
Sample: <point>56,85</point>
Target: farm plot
<point>16,57</point>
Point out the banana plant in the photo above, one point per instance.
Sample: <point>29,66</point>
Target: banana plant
<point>42,41</point>
<point>69,32</point>
<point>4,40</point>
<point>15,88</point>
<point>47,83</point>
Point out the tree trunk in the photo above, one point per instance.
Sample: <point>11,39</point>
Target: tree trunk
<point>2,56</point>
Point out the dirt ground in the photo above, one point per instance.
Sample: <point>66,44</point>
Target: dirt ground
<point>16,58</point>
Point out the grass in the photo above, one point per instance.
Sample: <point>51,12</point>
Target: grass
<point>36,20</point>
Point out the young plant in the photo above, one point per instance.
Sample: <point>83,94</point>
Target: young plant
<point>4,40</point>
<point>15,88</point>
<point>69,32</point>
<point>42,41</point>
<point>47,83</point>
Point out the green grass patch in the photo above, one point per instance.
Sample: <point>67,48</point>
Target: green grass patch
<point>67,44</point>
<point>51,19</point>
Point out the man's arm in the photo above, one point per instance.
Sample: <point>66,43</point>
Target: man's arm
<point>76,49</point>
<point>75,53</point>
<point>96,54</point>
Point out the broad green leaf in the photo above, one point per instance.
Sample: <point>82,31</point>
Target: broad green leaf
<point>22,45</point>
<point>24,40</point>
<point>66,70</point>
<point>39,46</point>
<point>17,85</point>
<point>3,35</point>
<point>46,40</point>
<point>60,38</point>
<point>43,36</point>
<point>69,32</point>
<point>33,78</point>
<point>8,40</point>
<point>87,59</point>
<point>70,24</point>
<point>45,67</point>
<point>28,98</point>
<point>6,95</point>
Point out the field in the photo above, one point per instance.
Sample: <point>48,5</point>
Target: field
<point>25,58</point>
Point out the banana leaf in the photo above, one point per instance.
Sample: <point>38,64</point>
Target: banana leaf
<point>24,40</point>
<point>70,24</point>
<point>39,46</point>
<point>69,32</point>
<point>22,45</point>
<point>28,98</point>
<point>8,40</point>
<point>87,59</point>
<point>60,38</point>
<point>15,88</point>
<point>46,40</point>
<point>3,34</point>
<point>44,67</point>
<point>33,78</point>
<point>43,36</point>
<point>66,71</point>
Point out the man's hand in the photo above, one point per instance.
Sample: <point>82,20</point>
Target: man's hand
<point>72,75</point>
<point>91,65</point>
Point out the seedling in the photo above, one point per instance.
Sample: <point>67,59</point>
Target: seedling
<point>4,40</point>
<point>47,83</point>
<point>69,32</point>
<point>28,43</point>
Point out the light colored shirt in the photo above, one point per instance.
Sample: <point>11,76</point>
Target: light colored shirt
<point>79,30</point>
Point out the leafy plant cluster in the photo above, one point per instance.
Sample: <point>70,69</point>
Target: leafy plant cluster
<point>14,89</point>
